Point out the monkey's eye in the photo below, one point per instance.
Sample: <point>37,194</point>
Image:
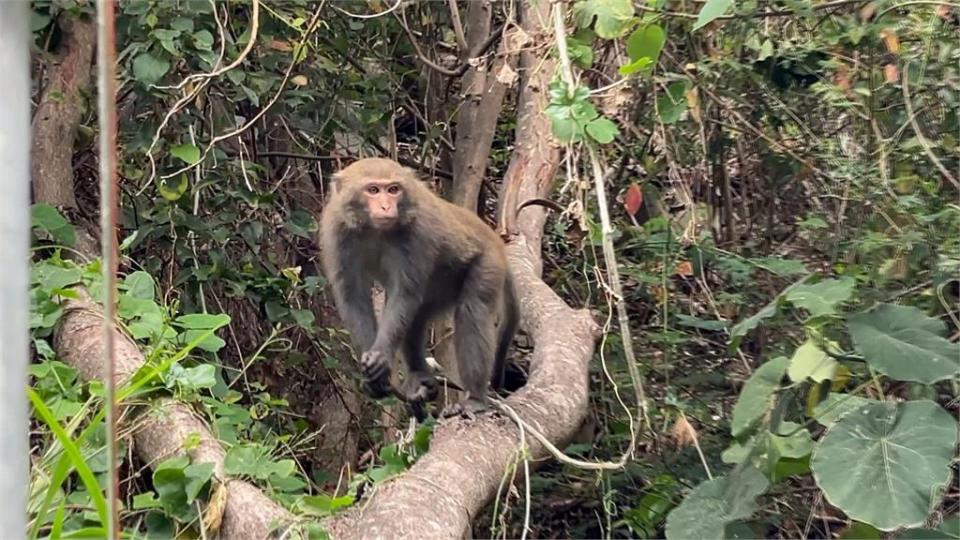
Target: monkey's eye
<point>393,190</point>
<point>373,190</point>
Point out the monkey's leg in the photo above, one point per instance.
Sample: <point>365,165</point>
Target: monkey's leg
<point>475,342</point>
<point>421,383</point>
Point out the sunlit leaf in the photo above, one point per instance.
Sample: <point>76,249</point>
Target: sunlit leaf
<point>612,16</point>
<point>903,343</point>
<point>711,10</point>
<point>887,464</point>
<point>756,398</point>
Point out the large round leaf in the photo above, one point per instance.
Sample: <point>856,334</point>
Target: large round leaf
<point>886,464</point>
<point>715,504</point>
<point>903,343</point>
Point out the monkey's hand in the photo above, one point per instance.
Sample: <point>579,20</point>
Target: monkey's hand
<point>375,366</point>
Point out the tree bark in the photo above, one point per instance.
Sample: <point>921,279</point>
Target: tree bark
<point>536,156</point>
<point>165,429</point>
<point>443,492</point>
<point>484,86</point>
<point>58,114</point>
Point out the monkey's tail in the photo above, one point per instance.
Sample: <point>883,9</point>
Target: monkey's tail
<point>510,320</point>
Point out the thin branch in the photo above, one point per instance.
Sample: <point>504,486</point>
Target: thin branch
<point>457,25</point>
<point>283,84</point>
<point>912,117</point>
<point>374,16</point>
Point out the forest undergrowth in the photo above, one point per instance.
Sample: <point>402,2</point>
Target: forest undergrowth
<point>783,185</point>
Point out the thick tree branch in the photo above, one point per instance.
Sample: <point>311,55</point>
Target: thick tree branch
<point>59,111</point>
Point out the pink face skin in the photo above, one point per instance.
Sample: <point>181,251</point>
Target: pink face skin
<point>383,198</point>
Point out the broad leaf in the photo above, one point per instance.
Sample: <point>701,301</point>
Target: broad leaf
<point>602,130</point>
<point>203,321</point>
<point>887,464</point>
<point>140,284</point>
<point>613,16</point>
<point>903,343</point>
<point>809,361</point>
<point>740,329</point>
<point>187,153</point>
<point>646,42</point>
<point>672,103</point>
<point>822,298</point>
<point>757,395</point>
<point>836,406</point>
<point>49,219</point>
<point>148,69</point>
<point>711,11</point>
<point>715,503</point>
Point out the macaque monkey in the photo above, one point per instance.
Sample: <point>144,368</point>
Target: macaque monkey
<point>383,225</point>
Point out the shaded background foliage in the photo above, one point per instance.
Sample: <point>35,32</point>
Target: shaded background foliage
<point>778,139</point>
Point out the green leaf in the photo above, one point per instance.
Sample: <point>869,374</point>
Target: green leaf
<point>672,104</point>
<point>613,16</point>
<point>756,397</point>
<point>633,67</point>
<point>602,130</point>
<point>196,378</point>
<point>72,452</point>
<point>646,42</point>
<point>303,317</point>
<point>809,361</point>
<point>148,69</point>
<point>197,476</point>
<point>323,505</point>
<point>797,444</point>
<point>715,503</point>
<point>821,298</point>
<point>740,329</point>
<point>49,220</point>
<point>51,277</point>
<point>903,343</point>
<point>187,153</point>
<point>710,11</point>
<point>836,406</point>
<point>203,321</point>
<point>887,464</point>
<point>173,191</point>
<point>140,285</point>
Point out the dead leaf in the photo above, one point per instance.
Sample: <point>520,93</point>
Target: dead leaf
<point>213,513</point>
<point>685,269</point>
<point>842,77</point>
<point>506,76</point>
<point>633,199</point>
<point>683,432</point>
<point>693,103</point>
<point>299,80</point>
<point>868,11</point>
<point>891,40</point>
<point>943,11</point>
<point>279,45</point>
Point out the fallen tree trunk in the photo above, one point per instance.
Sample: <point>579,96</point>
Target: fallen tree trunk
<point>167,425</point>
<point>441,495</point>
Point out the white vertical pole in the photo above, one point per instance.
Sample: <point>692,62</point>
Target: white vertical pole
<point>14,254</point>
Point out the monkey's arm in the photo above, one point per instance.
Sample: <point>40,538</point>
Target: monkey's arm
<point>352,295</point>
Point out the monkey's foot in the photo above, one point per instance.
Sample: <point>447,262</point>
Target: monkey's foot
<point>422,386</point>
<point>468,408</point>
<point>377,388</point>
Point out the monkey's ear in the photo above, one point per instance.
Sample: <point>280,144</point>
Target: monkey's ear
<point>336,183</point>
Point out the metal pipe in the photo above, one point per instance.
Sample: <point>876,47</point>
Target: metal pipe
<point>107,115</point>
<point>15,254</point>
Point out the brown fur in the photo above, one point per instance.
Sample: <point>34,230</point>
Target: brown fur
<point>435,256</point>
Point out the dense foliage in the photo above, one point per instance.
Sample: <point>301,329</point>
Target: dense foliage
<point>787,229</point>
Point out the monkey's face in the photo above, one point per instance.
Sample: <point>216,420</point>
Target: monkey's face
<point>382,200</point>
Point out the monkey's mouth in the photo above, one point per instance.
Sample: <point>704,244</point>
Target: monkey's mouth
<point>383,223</point>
